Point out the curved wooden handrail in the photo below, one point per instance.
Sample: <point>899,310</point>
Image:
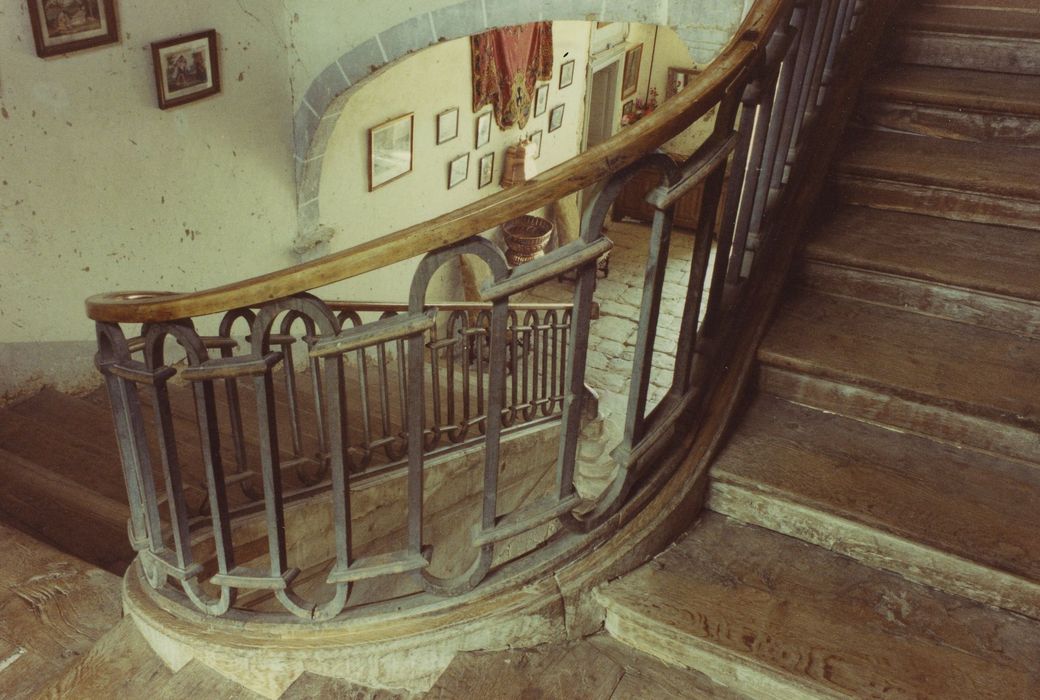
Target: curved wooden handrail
<point>594,165</point>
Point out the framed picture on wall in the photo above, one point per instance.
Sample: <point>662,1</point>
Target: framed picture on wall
<point>458,170</point>
<point>65,26</point>
<point>535,138</point>
<point>628,108</point>
<point>566,73</point>
<point>483,129</point>
<point>556,117</point>
<point>186,68</point>
<point>630,77</point>
<point>486,170</point>
<point>447,125</point>
<point>390,150</point>
<point>541,99</point>
<point>677,80</point>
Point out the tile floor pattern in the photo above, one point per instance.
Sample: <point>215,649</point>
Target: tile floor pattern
<point>613,335</point>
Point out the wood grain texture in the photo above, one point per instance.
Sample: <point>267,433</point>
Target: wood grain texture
<point>53,608</point>
<point>972,507</point>
<point>815,624</point>
<point>978,19</point>
<point>994,259</point>
<point>958,89</point>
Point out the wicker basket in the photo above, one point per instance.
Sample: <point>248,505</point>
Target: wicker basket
<point>525,238</point>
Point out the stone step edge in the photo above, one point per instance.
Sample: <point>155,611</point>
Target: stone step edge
<point>784,513</point>
<point>816,272</point>
<point>727,668</point>
<point>1015,444</point>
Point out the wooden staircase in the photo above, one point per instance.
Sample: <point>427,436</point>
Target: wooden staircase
<point>875,529</point>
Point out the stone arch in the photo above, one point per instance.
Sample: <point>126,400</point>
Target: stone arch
<point>704,25</point>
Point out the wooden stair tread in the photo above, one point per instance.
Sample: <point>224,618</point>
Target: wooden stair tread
<point>1020,23</point>
<point>63,513</point>
<point>85,463</point>
<point>958,501</point>
<point>953,365</point>
<point>993,259</point>
<point>989,168</point>
<point>958,88</point>
<point>53,607</point>
<point>816,623</point>
<point>597,668</point>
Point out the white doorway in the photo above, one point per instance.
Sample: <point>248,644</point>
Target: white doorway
<point>602,108</point>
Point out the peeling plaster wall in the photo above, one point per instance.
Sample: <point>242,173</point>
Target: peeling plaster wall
<point>101,190</point>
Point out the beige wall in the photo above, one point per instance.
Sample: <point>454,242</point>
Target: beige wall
<point>427,83</point>
<point>101,190</point>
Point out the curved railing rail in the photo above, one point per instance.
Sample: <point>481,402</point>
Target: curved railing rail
<point>766,89</point>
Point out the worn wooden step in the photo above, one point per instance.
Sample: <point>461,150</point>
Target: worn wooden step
<point>965,384</point>
<point>980,182</point>
<point>1002,39</point>
<point>956,104</point>
<point>775,617</point>
<point>948,517</point>
<point>55,509</point>
<point>975,273</point>
<point>53,607</point>
<point>598,668</point>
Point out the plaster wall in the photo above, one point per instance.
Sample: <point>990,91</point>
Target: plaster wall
<point>101,190</point>
<point>427,83</point>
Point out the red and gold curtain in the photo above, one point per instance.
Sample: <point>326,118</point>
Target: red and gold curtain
<point>506,63</point>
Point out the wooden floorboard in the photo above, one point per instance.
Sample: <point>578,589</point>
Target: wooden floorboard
<point>955,88</point>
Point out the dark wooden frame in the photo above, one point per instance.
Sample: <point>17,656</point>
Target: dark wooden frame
<point>538,92</point>
<point>535,137</point>
<point>111,36</point>
<point>563,65</point>
<point>554,110</point>
<point>481,183</point>
<point>437,126</point>
<point>465,177</point>
<point>673,75</point>
<point>411,149</point>
<point>485,117</point>
<point>633,62</point>
<point>213,58</point>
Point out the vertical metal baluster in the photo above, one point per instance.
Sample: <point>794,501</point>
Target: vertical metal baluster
<point>733,232</point>
<point>564,349</point>
<point>478,341</point>
<point>496,397</point>
<point>335,390</point>
<point>384,389</point>
<point>525,380</point>
<point>646,335</point>
<point>844,10</point>
<point>816,81</point>
<point>364,404</point>
<point>435,384</point>
<point>317,386</point>
<point>798,58</point>
<point>171,469</point>
<point>209,438</point>
<point>531,320</point>
<point>553,321</point>
<point>514,349</point>
<point>402,385</point>
<point>414,420</point>
<point>295,428</point>
<point>449,383</point>
<point>546,394</point>
<point>818,13</point>
<point>272,476</point>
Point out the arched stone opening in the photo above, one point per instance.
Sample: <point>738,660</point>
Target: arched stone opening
<point>704,26</point>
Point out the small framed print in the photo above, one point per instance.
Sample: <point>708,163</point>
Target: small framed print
<point>630,77</point>
<point>458,170</point>
<point>64,26</point>
<point>541,99</point>
<point>390,150</point>
<point>535,138</point>
<point>186,68</point>
<point>677,79</point>
<point>628,108</point>
<point>447,125</point>
<point>566,73</point>
<point>483,129</point>
<point>485,170</point>
<point>556,117</point>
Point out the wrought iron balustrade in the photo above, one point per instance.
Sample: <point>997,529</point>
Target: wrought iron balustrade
<point>483,368</point>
